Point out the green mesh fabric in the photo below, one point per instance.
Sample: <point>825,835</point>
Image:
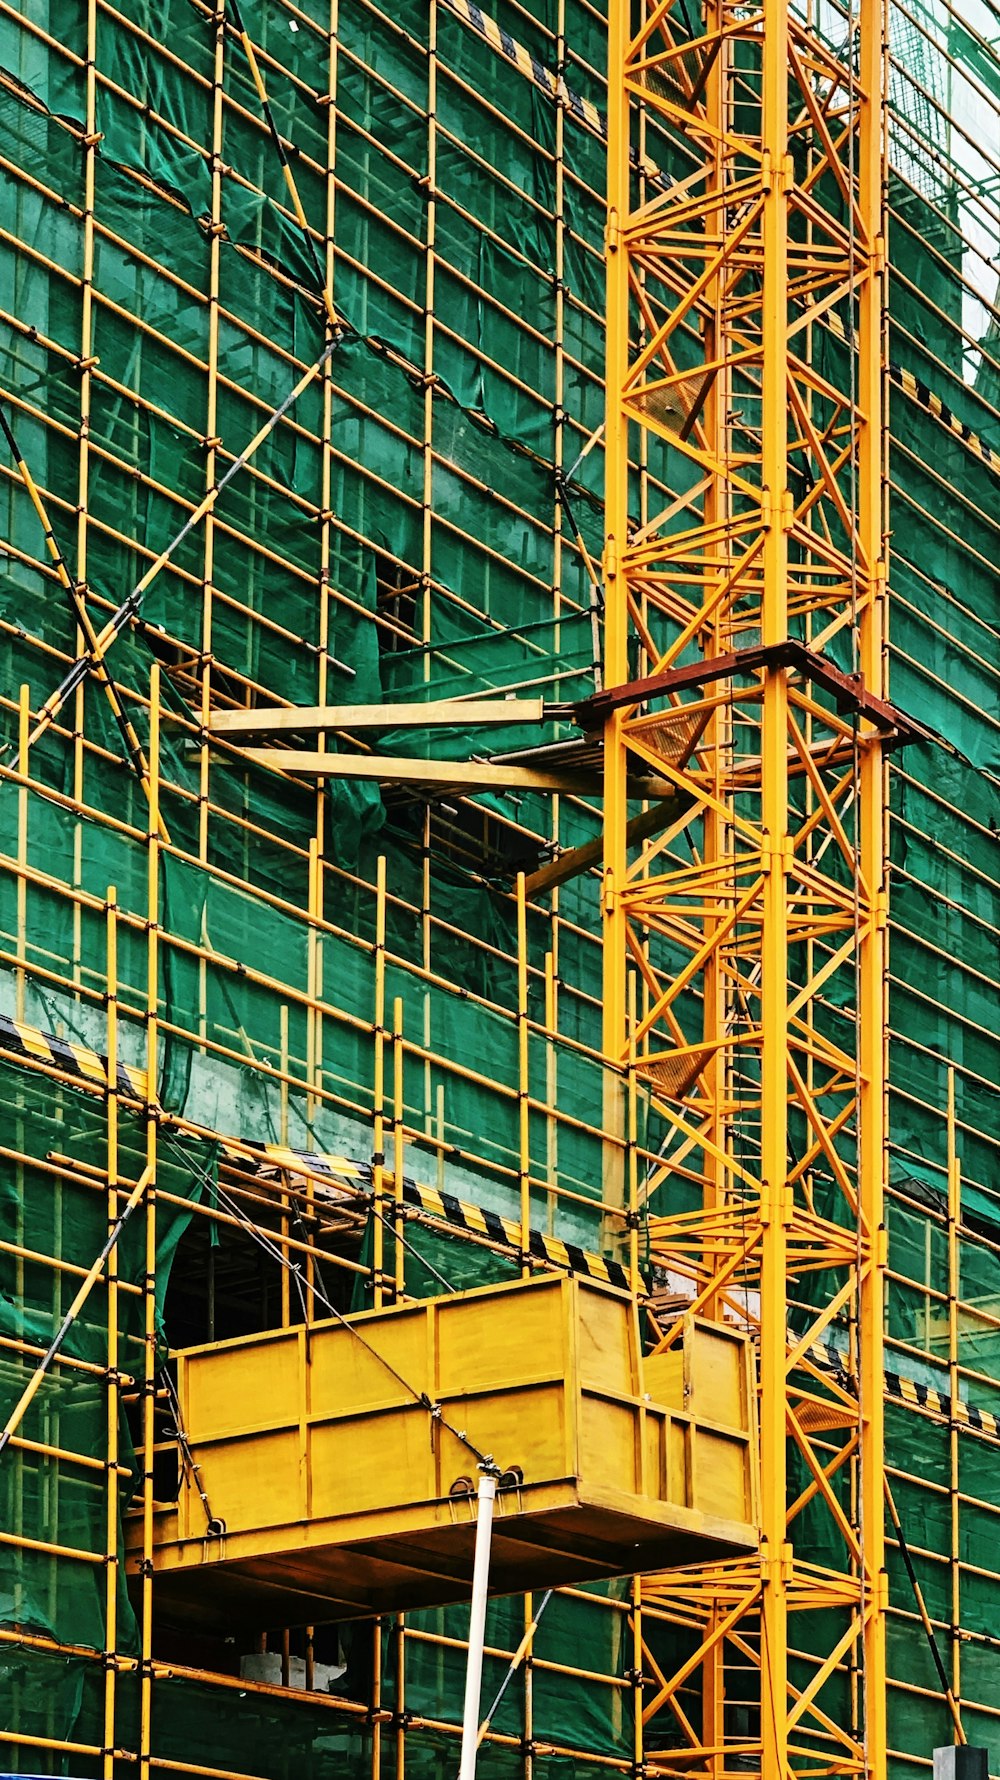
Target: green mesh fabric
<point>488,621</point>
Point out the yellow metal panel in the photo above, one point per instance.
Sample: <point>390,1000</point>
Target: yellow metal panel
<point>717,1368</point>
<point>606,1355</point>
<point>664,1375</point>
<point>526,1427</point>
<point>607,1443</point>
<point>348,1378</point>
<point>706,1373</point>
<point>383,1462</point>
<point>654,1441</point>
<point>245,1391</point>
<point>679,1473</point>
<point>723,1475</point>
<point>520,1338</point>
<point>257,1478</point>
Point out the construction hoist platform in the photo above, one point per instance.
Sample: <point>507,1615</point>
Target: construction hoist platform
<point>341,1457</point>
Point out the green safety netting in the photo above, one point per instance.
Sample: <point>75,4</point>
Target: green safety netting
<point>490,624</point>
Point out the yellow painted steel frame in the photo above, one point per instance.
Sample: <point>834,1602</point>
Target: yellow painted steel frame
<point>755,925</point>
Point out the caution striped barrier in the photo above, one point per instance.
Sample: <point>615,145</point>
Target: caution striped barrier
<point>925,397</point>
<point>913,1393</point>
<point>30,1044</point>
<point>528,65</point>
<point>552,85</point>
<point>923,1396</point>
<point>587,114</point>
<point>459,1214</point>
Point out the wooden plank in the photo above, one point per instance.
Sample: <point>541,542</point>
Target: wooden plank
<point>461,712</point>
<point>455,775</point>
<point>395,768</point>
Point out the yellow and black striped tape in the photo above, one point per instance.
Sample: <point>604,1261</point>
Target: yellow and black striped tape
<point>528,65</point>
<point>552,85</point>
<point>920,393</point>
<point>914,1394</point>
<point>30,1044</point>
<point>924,1396</point>
<point>587,114</point>
<point>473,1220</point>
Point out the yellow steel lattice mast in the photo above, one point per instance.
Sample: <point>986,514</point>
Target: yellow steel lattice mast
<point>745,588</point>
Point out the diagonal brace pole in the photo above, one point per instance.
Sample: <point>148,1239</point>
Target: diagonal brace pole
<point>87,1284</point>
<point>133,747</point>
<point>129,607</point>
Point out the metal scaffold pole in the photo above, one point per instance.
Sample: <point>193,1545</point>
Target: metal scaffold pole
<point>486,1496</point>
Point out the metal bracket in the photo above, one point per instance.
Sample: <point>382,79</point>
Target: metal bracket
<point>847,690</point>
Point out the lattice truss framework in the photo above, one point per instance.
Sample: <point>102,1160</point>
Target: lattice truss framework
<point>745,258</point>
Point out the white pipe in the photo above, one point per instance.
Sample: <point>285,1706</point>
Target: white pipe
<point>477,1626</point>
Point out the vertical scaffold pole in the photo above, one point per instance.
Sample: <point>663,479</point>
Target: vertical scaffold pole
<point>149,1380</point>
<point>114,1377</point>
<point>871,611</point>
<point>775,1198</point>
<point>616,623</point>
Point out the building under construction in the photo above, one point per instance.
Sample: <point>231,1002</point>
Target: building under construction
<point>500,742</point>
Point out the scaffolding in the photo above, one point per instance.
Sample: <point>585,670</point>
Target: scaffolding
<point>377,1081</point>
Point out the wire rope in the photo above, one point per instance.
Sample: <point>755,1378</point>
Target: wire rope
<point>274,1250</point>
